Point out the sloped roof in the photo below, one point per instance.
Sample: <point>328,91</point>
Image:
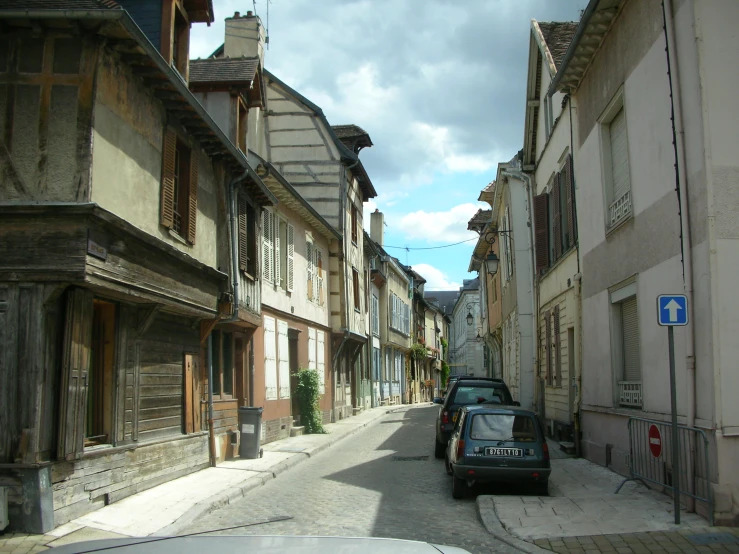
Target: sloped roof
<point>444,299</point>
<point>479,220</point>
<point>353,136</point>
<point>59,5</point>
<point>223,70</point>
<point>558,36</point>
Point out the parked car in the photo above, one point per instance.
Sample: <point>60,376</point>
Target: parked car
<point>463,392</point>
<point>498,444</point>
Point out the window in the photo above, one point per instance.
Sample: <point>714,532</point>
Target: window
<point>493,427</point>
<point>317,356</point>
<point>376,364</point>
<point>278,251</point>
<point>375,315</point>
<point>270,358</point>
<point>283,357</point>
<point>180,41</point>
<point>179,202</point>
<point>354,223</point>
<point>99,415</point>
<point>247,237</point>
<point>626,345</point>
<point>357,293</point>
<point>223,364</point>
<point>314,262</point>
<point>399,314</point>
<point>555,218</point>
<point>507,251</point>
<point>615,156</point>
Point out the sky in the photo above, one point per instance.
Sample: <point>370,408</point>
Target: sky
<point>439,85</point>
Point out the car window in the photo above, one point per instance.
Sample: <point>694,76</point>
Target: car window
<point>503,427</point>
<point>472,395</point>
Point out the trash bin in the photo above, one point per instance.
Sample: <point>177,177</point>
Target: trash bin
<point>250,426</point>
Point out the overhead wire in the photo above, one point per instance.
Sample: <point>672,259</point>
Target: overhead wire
<point>432,247</point>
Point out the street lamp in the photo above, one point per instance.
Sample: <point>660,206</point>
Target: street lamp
<point>492,261</point>
<point>470,317</point>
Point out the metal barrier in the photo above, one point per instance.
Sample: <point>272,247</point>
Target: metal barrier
<point>650,459</point>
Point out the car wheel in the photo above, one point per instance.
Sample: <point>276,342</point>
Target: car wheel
<point>439,450</point>
<point>448,466</point>
<point>542,488</point>
<point>459,487</point>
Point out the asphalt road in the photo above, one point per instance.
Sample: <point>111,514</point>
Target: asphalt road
<point>381,482</point>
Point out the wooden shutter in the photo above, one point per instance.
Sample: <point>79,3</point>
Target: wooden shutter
<point>76,362</point>
<point>557,227</point>
<point>321,360</point>
<point>270,359</point>
<point>319,276</point>
<point>309,267</point>
<point>290,246</point>
<point>312,360</point>
<point>541,232</point>
<point>192,198</point>
<point>283,355</point>
<point>631,351</point>
<point>619,156</point>
<point>243,234</point>
<point>276,249</point>
<point>548,343</point>
<point>267,247</point>
<point>569,186</point>
<point>166,216</point>
<point>557,353</point>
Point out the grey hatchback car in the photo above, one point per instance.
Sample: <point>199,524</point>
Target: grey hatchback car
<point>497,444</point>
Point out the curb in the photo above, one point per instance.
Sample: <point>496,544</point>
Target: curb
<point>485,508</point>
<point>213,503</point>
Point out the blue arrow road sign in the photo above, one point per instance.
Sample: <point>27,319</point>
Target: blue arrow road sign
<point>672,310</point>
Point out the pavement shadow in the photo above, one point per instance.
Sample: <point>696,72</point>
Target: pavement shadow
<point>413,484</point>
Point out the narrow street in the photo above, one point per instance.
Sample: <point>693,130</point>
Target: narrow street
<point>381,482</point>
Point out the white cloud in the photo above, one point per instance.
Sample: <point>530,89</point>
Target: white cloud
<point>446,227</point>
<point>435,279</point>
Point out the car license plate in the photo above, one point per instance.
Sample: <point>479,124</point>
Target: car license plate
<point>503,452</point>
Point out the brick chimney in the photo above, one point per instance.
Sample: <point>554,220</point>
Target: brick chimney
<point>377,227</point>
<point>244,37</point>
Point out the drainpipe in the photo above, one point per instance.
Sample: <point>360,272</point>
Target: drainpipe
<point>578,364</point>
<point>534,296</point>
<point>678,134</point>
<point>211,433</point>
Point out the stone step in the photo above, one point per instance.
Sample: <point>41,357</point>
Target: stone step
<point>297,431</point>
<point>567,447</point>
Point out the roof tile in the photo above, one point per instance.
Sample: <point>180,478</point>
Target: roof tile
<point>223,70</point>
<point>558,36</point>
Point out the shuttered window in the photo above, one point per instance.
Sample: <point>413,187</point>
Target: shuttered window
<point>507,245</point>
<point>283,356</point>
<point>311,270</point>
<point>247,237</point>
<point>270,358</point>
<point>619,195</point>
<point>557,349</point>
<point>355,286</point>
<point>320,293</point>
<point>548,346</point>
<point>321,360</point>
<point>179,190</point>
<point>630,333</point>
<point>541,231</point>
<point>268,246</point>
<point>569,193</point>
<point>556,204</point>
<point>290,259</point>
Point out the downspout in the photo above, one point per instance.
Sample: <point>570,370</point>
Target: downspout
<point>211,432</point>
<point>678,134</point>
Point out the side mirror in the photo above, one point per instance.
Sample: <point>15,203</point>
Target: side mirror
<point>438,400</point>
<point>515,403</point>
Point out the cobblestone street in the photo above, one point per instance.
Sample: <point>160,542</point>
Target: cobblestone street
<point>381,482</point>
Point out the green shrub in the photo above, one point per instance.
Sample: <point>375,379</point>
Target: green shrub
<point>308,393</point>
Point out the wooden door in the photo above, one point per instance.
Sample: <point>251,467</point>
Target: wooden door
<point>191,393</point>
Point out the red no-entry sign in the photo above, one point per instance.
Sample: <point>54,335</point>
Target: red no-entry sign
<point>655,441</point>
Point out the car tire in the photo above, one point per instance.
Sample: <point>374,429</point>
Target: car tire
<point>448,466</point>
<point>542,488</point>
<point>439,450</point>
<point>459,488</point>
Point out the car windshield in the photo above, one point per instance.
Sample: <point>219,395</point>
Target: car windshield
<point>478,394</point>
<point>502,427</point>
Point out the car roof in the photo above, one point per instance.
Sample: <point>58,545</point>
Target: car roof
<point>498,409</point>
<point>476,378</point>
<point>483,382</point>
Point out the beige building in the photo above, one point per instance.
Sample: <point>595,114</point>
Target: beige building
<point>547,160</point>
<point>654,219</point>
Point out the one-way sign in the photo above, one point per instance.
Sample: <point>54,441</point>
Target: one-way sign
<point>672,310</point>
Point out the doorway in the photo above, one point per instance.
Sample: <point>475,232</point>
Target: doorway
<point>99,417</point>
<point>294,364</point>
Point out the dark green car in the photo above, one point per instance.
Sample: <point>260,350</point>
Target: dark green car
<point>497,444</point>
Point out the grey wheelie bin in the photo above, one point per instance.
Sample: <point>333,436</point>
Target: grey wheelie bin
<point>250,427</point>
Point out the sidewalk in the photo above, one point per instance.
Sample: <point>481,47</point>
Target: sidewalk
<point>170,507</point>
<point>582,514</point>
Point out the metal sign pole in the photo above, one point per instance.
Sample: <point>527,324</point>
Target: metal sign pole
<point>675,445</point>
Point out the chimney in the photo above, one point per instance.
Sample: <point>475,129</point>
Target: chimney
<point>377,227</point>
<point>244,37</point>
